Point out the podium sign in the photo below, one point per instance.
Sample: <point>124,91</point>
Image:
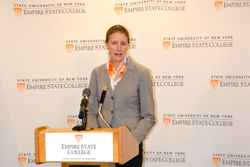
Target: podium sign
<point>83,147</point>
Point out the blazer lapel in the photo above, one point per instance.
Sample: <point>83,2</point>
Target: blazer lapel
<point>108,80</point>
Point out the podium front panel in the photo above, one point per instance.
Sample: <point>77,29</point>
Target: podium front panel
<point>87,147</point>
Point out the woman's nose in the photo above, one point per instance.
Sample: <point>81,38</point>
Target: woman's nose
<point>119,47</point>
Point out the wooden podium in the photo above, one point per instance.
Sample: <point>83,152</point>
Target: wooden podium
<point>125,145</point>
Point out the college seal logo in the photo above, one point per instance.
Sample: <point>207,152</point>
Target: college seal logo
<point>69,47</point>
<point>21,86</point>
<point>18,11</point>
<point>218,5</point>
<point>166,121</point>
<point>21,160</point>
<point>216,161</point>
<point>214,83</point>
<point>71,122</point>
<point>78,138</point>
<point>118,10</point>
<point>166,45</point>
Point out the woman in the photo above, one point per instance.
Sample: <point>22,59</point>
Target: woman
<point>129,99</point>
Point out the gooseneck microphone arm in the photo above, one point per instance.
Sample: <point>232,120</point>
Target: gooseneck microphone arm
<point>104,90</point>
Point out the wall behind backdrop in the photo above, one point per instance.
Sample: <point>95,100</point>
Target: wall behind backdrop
<point>197,51</point>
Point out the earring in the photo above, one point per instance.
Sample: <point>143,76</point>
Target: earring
<point>109,57</point>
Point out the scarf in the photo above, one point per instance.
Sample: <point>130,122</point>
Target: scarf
<point>116,75</point>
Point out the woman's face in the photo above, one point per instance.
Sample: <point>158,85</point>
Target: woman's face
<point>117,46</point>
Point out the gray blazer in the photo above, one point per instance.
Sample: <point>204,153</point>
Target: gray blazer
<point>131,103</point>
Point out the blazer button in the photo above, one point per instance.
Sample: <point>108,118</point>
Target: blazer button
<point>112,97</point>
<point>111,111</point>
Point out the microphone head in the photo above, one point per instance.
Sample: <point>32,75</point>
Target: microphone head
<point>86,92</point>
<point>105,87</point>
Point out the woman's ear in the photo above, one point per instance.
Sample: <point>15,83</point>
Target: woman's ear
<point>106,45</point>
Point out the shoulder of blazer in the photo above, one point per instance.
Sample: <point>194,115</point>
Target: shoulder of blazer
<point>100,68</point>
<point>136,66</point>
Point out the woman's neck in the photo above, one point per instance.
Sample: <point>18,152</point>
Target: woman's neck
<point>116,65</point>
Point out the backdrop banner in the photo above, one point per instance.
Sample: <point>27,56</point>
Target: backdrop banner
<point>197,52</point>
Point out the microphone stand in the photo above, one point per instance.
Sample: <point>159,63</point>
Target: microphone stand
<point>82,115</point>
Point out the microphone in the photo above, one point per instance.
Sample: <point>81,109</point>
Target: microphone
<point>82,112</point>
<point>85,94</point>
<point>104,90</point>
